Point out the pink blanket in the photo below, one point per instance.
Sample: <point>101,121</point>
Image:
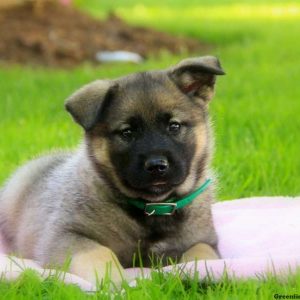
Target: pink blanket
<point>256,236</point>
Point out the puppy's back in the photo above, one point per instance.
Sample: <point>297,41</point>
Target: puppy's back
<point>17,193</point>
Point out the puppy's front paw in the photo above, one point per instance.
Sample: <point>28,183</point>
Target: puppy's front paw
<point>200,251</point>
<point>95,264</point>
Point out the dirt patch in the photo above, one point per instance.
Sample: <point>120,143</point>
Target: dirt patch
<point>61,36</point>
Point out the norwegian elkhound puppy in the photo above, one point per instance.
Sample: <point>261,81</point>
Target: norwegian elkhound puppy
<point>129,188</point>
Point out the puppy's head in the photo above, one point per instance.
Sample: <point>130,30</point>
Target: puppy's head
<point>148,133</point>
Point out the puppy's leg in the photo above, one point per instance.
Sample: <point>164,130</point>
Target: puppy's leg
<point>94,263</point>
<point>89,259</point>
<point>199,251</point>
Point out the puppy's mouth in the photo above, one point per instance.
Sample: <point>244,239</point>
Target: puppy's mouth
<point>155,191</point>
<point>159,187</point>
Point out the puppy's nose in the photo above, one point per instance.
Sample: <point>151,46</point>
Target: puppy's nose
<point>156,165</point>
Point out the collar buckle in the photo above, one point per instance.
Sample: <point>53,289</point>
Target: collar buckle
<point>163,209</point>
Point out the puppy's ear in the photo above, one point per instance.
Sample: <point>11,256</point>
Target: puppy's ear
<point>86,104</point>
<point>196,77</point>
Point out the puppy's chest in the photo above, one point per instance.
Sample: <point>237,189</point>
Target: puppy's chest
<point>162,241</point>
<point>157,239</point>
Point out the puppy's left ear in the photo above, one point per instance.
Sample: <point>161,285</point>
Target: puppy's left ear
<point>196,77</point>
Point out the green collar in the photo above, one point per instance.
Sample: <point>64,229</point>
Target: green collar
<point>169,206</point>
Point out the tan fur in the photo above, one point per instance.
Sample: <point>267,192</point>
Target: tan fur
<point>100,150</point>
<point>190,182</point>
<point>96,263</point>
<point>200,251</point>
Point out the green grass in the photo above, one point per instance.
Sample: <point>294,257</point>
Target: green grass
<point>159,286</point>
<point>255,114</point>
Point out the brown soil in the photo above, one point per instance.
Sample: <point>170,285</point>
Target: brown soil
<point>61,36</point>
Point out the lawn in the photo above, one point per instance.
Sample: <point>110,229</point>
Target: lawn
<point>255,115</point>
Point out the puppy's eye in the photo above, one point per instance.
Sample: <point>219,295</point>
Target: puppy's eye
<point>174,127</point>
<point>126,133</point>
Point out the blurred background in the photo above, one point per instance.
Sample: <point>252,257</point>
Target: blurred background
<point>48,49</point>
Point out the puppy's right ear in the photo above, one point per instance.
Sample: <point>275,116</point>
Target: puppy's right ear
<point>86,104</point>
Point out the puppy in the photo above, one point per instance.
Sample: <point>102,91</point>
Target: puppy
<point>139,184</point>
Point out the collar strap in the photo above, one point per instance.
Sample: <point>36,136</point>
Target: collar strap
<point>170,206</point>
